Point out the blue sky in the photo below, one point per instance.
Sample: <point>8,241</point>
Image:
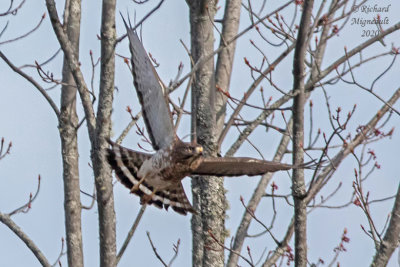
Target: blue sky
<point>27,120</point>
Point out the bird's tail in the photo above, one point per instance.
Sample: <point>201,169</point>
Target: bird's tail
<point>126,164</point>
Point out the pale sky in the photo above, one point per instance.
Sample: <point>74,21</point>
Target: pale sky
<point>27,120</point>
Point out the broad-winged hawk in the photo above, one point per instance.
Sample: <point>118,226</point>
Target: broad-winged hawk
<point>156,178</point>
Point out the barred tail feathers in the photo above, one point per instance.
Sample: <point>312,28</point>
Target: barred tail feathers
<point>126,164</point>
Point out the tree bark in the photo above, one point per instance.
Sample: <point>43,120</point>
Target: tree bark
<point>102,171</point>
<point>298,183</point>
<point>74,67</point>
<point>98,128</point>
<point>208,192</point>
<point>223,72</point>
<point>68,123</point>
<point>391,239</point>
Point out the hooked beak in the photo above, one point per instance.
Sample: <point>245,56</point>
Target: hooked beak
<point>199,150</point>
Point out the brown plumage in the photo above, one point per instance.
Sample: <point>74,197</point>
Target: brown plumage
<point>163,177</point>
<point>156,178</point>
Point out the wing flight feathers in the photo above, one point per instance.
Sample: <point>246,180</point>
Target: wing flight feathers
<point>227,166</point>
<point>157,116</point>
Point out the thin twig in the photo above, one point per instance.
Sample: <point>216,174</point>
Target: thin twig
<point>26,207</point>
<point>62,253</point>
<point>6,219</point>
<point>128,128</point>
<point>141,21</point>
<point>26,34</point>
<point>155,250</point>
<point>131,232</point>
<point>33,82</point>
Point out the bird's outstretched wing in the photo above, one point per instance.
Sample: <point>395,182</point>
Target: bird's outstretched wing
<point>157,116</point>
<point>175,198</point>
<point>227,166</point>
<point>126,164</point>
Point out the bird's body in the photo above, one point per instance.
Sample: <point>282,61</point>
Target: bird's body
<point>171,167</point>
<point>159,163</point>
<point>156,178</point>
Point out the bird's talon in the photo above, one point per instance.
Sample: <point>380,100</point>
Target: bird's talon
<point>147,198</point>
<point>135,188</point>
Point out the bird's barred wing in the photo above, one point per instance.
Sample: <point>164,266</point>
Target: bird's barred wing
<point>157,116</point>
<point>230,166</point>
<point>173,197</point>
<point>176,198</point>
<point>126,164</point>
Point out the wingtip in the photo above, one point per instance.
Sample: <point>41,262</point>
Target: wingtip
<point>123,19</point>
<point>311,165</point>
<point>128,25</point>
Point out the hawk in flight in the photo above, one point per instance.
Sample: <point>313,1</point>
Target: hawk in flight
<point>156,178</point>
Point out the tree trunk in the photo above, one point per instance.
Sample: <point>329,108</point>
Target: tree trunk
<point>298,183</point>
<point>391,239</point>
<point>223,72</point>
<point>68,133</point>
<point>102,172</point>
<point>208,192</point>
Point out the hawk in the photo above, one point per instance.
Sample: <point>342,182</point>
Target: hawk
<point>156,178</point>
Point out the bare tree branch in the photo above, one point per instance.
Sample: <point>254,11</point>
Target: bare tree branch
<point>26,34</point>
<point>74,67</point>
<point>298,183</point>
<point>391,239</point>
<point>102,170</point>
<point>33,82</point>
<point>131,232</point>
<point>155,250</point>
<point>27,206</point>
<point>308,86</point>
<point>68,129</point>
<point>12,11</point>
<point>223,70</point>
<point>4,218</point>
<point>241,233</point>
<point>142,20</point>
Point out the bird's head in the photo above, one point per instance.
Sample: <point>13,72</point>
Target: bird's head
<point>187,152</point>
